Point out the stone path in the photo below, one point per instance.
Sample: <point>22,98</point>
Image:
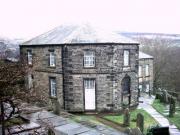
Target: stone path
<point>66,126</point>
<point>145,103</point>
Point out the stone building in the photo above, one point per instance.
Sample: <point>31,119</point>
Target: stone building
<point>83,68</point>
<point>145,73</point>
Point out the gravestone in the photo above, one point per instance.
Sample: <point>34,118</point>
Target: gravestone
<point>140,122</point>
<point>126,117</point>
<point>56,107</point>
<point>165,96</point>
<point>50,132</point>
<point>161,131</point>
<point>172,106</point>
<point>128,131</point>
<point>136,131</point>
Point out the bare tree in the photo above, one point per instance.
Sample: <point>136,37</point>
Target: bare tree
<point>166,62</point>
<point>13,90</point>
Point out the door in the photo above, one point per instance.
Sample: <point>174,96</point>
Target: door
<point>126,94</point>
<point>89,92</point>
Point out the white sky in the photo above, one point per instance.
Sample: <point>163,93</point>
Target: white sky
<point>29,18</point>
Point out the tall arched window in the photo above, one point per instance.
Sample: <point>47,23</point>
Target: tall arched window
<point>126,84</point>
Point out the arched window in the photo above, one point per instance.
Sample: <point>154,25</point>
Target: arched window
<point>126,84</point>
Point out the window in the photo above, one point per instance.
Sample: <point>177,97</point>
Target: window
<point>89,59</point>
<point>89,84</point>
<point>147,70</point>
<point>140,71</point>
<point>126,57</point>
<point>51,59</point>
<point>29,55</point>
<point>140,87</point>
<point>147,87</point>
<point>30,81</point>
<point>52,87</point>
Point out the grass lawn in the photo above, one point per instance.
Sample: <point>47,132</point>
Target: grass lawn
<point>148,120</point>
<point>160,107</point>
<point>88,118</point>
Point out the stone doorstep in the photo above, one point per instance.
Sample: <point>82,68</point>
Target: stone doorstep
<point>24,128</point>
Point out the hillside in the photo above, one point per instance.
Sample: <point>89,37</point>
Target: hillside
<point>9,47</point>
<point>173,38</point>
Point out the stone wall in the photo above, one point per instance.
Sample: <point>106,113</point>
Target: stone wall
<point>108,73</point>
<point>70,72</point>
<point>41,72</point>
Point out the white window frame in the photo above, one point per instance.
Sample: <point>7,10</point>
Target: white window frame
<point>147,70</point>
<point>126,58</point>
<point>30,81</point>
<point>140,87</point>
<point>147,87</point>
<point>89,83</point>
<point>53,89</point>
<point>29,57</point>
<point>52,59</point>
<point>140,71</point>
<point>89,59</point>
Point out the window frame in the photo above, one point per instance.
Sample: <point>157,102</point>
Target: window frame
<point>52,94</point>
<point>128,61</point>
<point>29,57</point>
<point>52,55</point>
<point>140,88</point>
<point>147,84</point>
<point>91,81</point>
<point>89,61</point>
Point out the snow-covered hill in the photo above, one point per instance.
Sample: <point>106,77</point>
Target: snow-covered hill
<point>174,38</point>
<point>9,47</point>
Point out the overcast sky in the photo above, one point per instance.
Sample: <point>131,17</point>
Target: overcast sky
<point>29,18</point>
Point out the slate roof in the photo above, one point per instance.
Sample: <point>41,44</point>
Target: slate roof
<point>73,34</point>
<point>144,56</point>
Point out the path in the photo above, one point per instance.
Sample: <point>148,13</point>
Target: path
<point>145,103</point>
<point>66,126</point>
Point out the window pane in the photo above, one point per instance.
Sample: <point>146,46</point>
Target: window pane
<point>53,87</point>
<point>89,59</point>
<point>89,84</point>
<point>140,87</point>
<point>29,57</point>
<point>52,59</point>
<point>147,87</point>
<point>126,58</point>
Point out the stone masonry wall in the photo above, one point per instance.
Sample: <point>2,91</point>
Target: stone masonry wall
<point>41,72</point>
<point>70,72</point>
<point>108,73</point>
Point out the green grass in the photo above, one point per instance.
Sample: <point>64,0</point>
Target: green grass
<point>88,118</point>
<point>148,120</point>
<point>160,107</point>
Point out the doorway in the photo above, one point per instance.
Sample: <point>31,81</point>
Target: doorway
<point>126,93</point>
<point>89,94</point>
